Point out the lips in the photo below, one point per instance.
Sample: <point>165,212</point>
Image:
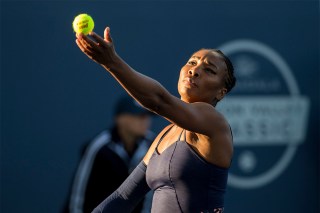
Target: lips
<point>189,82</point>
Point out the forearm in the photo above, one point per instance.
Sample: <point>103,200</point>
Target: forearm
<point>128,195</point>
<point>147,91</point>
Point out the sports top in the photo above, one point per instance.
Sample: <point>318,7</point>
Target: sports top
<point>183,181</point>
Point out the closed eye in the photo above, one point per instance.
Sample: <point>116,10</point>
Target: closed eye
<point>193,63</point>
<point>211,71</point>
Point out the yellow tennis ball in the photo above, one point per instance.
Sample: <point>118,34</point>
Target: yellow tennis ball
<point>83,23</point>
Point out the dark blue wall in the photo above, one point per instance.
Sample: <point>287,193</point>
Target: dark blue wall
<point>53,98</point>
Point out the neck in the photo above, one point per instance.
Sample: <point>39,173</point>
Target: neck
<point>129,140</point>
<point>214,102</point>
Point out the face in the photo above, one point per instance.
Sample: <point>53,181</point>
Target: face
<point>202,78</point>
<point>134,125</point>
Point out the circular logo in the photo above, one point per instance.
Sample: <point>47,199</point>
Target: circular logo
<point>266,113</point>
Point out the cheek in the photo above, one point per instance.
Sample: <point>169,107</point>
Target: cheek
<point>218,82</point>
<point>183,72</point>
<point>213,86</point>
<point>181,77</point>
<point>141,126</point>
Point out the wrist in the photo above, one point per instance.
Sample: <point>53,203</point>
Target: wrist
<point>113,63</point>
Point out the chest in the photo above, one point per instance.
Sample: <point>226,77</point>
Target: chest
<point>179,134</point>
<point>177,163</point>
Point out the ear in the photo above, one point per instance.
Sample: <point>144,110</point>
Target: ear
<point>222,93</point>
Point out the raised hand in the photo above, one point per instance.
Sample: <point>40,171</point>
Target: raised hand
<point>101,50</point>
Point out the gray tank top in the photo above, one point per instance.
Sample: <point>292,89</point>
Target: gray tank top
<point>183,181</point>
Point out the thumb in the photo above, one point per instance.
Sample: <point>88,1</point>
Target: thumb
<point>107,35</point>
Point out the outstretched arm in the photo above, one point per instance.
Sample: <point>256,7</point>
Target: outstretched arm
<point>145,90</point>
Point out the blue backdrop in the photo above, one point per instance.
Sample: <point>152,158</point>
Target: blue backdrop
<point>53,98</point>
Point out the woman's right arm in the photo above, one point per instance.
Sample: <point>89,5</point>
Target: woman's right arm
<point>149,92</point>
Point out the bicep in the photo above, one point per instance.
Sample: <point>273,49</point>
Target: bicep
<point>196,117</point>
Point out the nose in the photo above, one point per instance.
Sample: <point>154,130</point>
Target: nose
<point>194,72</point>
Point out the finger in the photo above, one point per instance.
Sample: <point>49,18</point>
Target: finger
<point>84,49</point>
<point>107,35</point>
<point>98,39</point>
<point>87,43</point>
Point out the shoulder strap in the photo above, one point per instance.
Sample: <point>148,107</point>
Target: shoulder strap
<point>179,139</point>
<point>164,134</point>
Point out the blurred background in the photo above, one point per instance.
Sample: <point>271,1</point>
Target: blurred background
<point>53,98</point>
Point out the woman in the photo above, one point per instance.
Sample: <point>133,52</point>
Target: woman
<point>187,164</point>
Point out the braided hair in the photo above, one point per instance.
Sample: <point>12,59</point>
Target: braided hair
<point>230,80</point>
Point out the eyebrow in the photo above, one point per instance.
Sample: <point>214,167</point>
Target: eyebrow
<point>197,57</point>
<point>206,60</point>
<point>211,64</point>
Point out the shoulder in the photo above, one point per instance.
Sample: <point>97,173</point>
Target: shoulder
<point>217,145</point>
<point>98,145</point>
<point>208,109</point>
<point>102,139</point>
<point>214,120</point>
<point>150,136</point>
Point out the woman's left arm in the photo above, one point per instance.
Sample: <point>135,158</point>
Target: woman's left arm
<point>128,195</point>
